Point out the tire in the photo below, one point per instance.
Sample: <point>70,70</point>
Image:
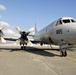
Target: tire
<point>62,53</point>
<point>22,48</point>
<point>65,53</point>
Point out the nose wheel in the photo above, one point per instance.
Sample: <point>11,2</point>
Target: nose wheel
<point>63,53</point>
<point>63,49</point>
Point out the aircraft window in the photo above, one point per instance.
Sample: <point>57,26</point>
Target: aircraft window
<point>72,20</point>
<point>66,21</point>
<point>58,22</point>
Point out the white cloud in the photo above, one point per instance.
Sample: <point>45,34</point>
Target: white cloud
<point>11,33</point>
<point>3,24</point>
<point>2,7</point>
<point>8,32</point>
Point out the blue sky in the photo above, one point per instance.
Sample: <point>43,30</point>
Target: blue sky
<point>25,13</point>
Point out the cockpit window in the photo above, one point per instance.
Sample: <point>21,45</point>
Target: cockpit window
<point>72,20</point>
<point>66,21</point>
<point>63,21</point>
<point>58,23</point>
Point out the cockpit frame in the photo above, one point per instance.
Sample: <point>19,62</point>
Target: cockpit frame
<point>62,21</point>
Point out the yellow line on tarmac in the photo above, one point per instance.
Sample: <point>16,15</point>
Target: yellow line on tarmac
<point>71,58</point>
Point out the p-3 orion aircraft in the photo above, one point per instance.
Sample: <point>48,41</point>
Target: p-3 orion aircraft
<point>61,32</point>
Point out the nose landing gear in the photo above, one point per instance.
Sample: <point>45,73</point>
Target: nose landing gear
<point>63,50</point>
<point>63,53</point>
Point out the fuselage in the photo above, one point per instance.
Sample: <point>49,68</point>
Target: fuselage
<point>59,32</point>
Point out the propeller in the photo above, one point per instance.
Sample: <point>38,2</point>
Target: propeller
<point>19,30</point>
<point>23,39</point>
<point>2,40</point>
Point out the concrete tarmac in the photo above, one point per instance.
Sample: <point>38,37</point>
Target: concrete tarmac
<point>35,60</point>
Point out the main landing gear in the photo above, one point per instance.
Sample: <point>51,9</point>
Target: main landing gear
<point>23,47</point>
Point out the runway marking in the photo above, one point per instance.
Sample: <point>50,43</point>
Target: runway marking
<point>71,58</point>
<point>68,57</point>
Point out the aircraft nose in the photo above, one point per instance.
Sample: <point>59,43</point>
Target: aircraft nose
<point>71,34</point>
<point>71,31</point>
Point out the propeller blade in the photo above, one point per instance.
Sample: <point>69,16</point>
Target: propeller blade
<point>2,40</point>
<point>3,27</point>
<point>29,43</point>
<point>18,29</point>
<point>31,29</point>
<point>17,42</point>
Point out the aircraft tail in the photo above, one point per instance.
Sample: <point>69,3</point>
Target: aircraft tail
<point>35,28</point>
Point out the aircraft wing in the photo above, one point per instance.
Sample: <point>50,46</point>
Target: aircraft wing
<point>16,39</point>
<point>10,38</point>
<point>33,41</point>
